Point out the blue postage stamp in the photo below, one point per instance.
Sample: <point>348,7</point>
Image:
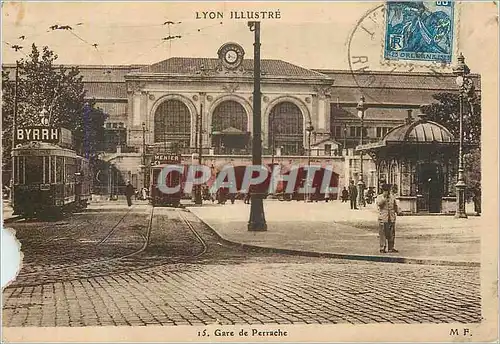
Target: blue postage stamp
<point>419,31</point>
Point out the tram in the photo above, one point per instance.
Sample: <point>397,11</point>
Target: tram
<point>172,180</point>
<point>48,178</point>
<point>317,184</point>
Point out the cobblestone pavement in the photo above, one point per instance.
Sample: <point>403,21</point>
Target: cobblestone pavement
<point>92,275</point>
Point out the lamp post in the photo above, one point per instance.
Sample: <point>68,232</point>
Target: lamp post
<point>272,140</point>
<point>14,130</point>
<point>309,130</point>
<point>345,136</point>
<point>257,221</point>
<point>198,199</point>
<point>272,151</point>
<point>143,167</point>
<point>361,107</point>
<point>144,153</point>
<point>461,71</point>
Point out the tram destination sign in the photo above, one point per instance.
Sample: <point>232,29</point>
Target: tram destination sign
<point>159,159</point>
<point>43,134</point>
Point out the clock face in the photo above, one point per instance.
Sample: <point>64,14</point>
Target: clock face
<point>231,56</point>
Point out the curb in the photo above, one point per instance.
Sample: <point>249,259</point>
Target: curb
<point>12,219</point>
<point>370,258</point>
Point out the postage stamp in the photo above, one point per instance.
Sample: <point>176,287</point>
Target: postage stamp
<point>419,30</point>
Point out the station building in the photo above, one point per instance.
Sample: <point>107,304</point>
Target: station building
<point>175,100</point>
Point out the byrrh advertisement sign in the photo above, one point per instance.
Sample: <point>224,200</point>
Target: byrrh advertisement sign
<point>44,134</point>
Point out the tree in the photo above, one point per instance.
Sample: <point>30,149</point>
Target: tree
<point>57,92</point>
<point>447,112</point>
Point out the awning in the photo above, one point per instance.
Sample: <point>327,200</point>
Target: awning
<point>230,131</point>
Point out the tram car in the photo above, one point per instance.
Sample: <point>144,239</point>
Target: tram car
<point>172,180</point>
<point>48,179</point>
<point>317,184</point>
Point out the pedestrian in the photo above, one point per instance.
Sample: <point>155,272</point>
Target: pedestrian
<point>247,197</point>
<point>477,199</point>
<point>387,210</point>
<point>129,192</point>
<point>371,194</point>
<point>345,195</point>
<point>353,194</point>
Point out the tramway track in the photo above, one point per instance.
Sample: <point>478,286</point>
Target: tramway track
<point>55,274</point>
<point>113,229</point>
<point>196,234</point>
<point>62,233</point>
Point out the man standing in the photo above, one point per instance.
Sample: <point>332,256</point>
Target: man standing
<point>353,194</point>
<point>387,210</point>
<point>129,192</point>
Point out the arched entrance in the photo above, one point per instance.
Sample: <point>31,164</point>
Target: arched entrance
<point>172,123</point>
<point>229,127</point>
<point>286,128</point>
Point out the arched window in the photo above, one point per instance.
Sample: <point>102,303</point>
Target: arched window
<point>286,128</point>
<point>229,114</point>
<point>173,123</point>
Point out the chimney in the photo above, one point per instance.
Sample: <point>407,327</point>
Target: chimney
<point>422,115</point>
<point>409,118</point>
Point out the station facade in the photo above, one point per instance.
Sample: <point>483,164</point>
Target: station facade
<point>178,99</point>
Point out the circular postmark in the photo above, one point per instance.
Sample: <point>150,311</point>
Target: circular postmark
<point>368,68</point>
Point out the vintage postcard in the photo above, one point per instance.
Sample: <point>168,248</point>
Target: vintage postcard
<point>250,171</point>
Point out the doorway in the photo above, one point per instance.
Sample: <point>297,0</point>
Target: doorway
<point>430,186</point>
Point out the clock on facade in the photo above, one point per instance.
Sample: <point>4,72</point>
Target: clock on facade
<point>231,55</point>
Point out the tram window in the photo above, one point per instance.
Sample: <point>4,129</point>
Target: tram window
<point>46,169</point>
<point>70,170</point>
<point>34,170</point>
<point>59,169</point>
<point>19,175</point>
<point>156,173</point>
<point>53,169</point>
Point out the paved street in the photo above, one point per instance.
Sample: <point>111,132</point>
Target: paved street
<point>112,265</point>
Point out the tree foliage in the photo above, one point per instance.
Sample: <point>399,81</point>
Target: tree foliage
<point>447,112</point>
<point>54,91</point>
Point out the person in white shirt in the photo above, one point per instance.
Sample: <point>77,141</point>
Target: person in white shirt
<point>387,210</point>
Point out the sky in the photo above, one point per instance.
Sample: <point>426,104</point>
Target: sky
<point>312,35</point>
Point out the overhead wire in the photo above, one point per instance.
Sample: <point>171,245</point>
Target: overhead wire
<point>94,46</point>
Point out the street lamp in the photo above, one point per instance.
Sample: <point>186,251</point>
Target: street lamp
<point>309,130</point>
<point>361,107</point>
<point>345,136</point>
<point>272,140</point>
<point>142,166</point>
<point>257,221</point>
<point>461,71</point>
<point>198,197</point>
<point>273,148</point>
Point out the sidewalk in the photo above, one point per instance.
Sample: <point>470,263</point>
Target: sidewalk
<point>334,229</point>
<point>7,211</point>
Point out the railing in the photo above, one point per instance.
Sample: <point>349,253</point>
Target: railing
<point>315,152</point>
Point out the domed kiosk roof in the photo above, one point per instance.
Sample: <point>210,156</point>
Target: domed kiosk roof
<point>417,132</point>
